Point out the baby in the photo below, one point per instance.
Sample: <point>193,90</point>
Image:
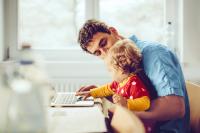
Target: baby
<point>129,85</point>
<point>124,63</point>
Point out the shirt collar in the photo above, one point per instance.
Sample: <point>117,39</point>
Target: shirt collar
<point>136,40</point>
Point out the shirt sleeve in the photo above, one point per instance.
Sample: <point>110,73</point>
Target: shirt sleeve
<point>164,71</point>
<point>138,97</point>
<point>103,91</point>
<point>139,104</point>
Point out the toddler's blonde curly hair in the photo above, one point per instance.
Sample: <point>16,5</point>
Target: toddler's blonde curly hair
<point>124,55</point>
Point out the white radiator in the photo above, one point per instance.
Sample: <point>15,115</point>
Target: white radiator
<point>71,85</point>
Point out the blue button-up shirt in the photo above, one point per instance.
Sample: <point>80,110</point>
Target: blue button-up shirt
<point>164,71</point>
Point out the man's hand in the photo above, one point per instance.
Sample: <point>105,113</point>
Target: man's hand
<point>117,99</point>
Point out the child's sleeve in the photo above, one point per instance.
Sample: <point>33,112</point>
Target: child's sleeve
<point>138,99</point>
<point>103,91</point>
<point>139,104</point>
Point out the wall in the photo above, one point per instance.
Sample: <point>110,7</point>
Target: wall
<point>191,42</point>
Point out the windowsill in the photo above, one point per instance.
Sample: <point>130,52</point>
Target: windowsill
<point>69,69</point>
<point>59,55</point>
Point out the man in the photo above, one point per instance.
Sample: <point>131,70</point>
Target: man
<point>171,109</point>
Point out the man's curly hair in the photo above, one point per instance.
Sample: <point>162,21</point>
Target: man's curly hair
<point>90,28</point>
<point>125,56</point>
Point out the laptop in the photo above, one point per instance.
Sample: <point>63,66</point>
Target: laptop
<point>65,99</point>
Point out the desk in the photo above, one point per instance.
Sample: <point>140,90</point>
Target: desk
<point>75,119</point>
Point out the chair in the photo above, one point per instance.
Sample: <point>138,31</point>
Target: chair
<point>194,99</point>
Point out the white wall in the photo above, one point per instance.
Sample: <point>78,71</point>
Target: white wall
<point>191,39</point>
<point>1,31</point>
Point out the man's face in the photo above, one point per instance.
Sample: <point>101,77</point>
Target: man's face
<point>101,43</point>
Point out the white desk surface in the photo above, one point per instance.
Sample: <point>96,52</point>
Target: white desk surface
<point>75,119</point>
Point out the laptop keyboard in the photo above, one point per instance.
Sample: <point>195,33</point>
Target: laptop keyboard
<point>65,98</point>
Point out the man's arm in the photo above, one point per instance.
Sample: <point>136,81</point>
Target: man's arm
<point>164,108</point>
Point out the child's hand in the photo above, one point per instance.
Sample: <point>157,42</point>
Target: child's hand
<point>84,94</point>
<point>117,99</point>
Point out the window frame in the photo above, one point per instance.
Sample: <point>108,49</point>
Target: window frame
<point>174,13</point>
<point>2,47</point>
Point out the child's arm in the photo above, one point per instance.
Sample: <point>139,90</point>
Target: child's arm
<point>139,104</point>
<point>102,91</point>
<point>139,99</point>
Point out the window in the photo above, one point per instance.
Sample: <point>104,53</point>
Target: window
<point>50,24</point>
<point>144,18</point>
